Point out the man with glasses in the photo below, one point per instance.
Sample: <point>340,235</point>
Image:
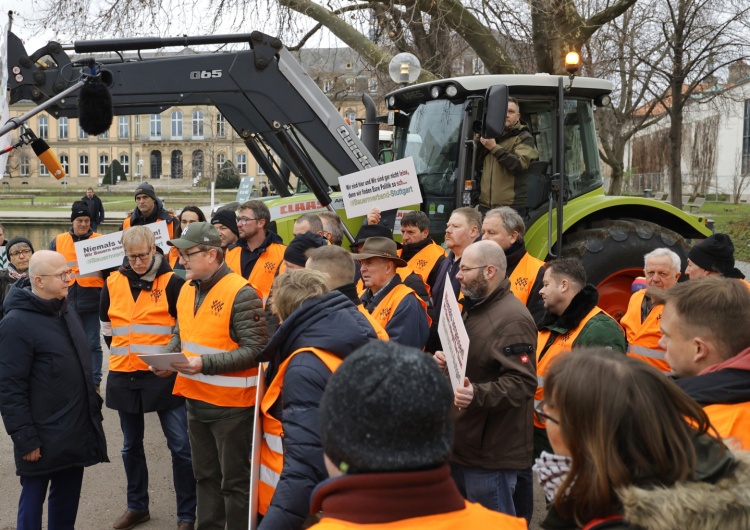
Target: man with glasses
<point>259,251</point>
<point>47,400</point>
<point>494,409</point>
<point>85,289</point>
<point>221,328</point>
<point>138,311</point>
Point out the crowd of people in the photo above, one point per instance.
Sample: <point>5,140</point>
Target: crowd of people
<point>636,423</point>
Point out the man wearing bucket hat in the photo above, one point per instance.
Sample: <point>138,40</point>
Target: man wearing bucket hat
<point>396,307</point>
<point>221,329</point>
<point>714,255</point>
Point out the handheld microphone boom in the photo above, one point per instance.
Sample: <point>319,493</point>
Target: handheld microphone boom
<point>95,104</point>
<point>48,158</point>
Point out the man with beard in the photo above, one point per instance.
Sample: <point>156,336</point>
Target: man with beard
<point>149,209</point>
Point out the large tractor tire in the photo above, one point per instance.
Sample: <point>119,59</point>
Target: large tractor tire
<point>612,253</point>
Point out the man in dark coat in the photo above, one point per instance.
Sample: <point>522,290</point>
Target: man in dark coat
<point>150,209</point>
<point>96,208</point>
<point>47,399</point>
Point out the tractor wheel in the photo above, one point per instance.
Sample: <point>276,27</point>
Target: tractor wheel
<point>612,253</point>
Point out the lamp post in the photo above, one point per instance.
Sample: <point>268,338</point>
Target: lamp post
<point>140,169</point>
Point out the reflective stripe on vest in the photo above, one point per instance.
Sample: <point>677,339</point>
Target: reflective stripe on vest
<point>562,343</point>
<point>643,337</point>
<point>424,261</point>
<point>388,305</point>
<point>138,326</point>
<point>272,451</point>
<point>206,332</point>
<point>264,270</point>
<point>66,246</point>
<point>523,276</point>
<point>379,330</point>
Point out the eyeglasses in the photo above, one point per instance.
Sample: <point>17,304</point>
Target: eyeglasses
<point>22,252</point>
<point>186,257</point>
<point>464,270</point>
<point>132,258</point>
<point>64,276</point>
<point>245,220</point>
<point>542,416</point>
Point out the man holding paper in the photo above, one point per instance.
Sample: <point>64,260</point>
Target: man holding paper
<point>494,407</point>
<point>138,310</point>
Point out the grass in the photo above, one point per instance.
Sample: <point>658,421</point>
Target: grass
<point>53,201</point>
<point>732,219</point>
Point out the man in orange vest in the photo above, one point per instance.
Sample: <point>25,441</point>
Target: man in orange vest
<point>138,311</point>
<point>505,227</point>
<point>387,434</point>
<point>573,320</point>
<point>221,329</point>
<point>318,330</point>
<point>641,320</point>
<point>259,251</point>
<point>149,209</point>
<point>84,289</point>
<point>714,256</point>
<point>706,335</point>
<point>396,307</point>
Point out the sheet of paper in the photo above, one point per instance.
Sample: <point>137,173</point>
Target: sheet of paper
<point>385,187</point>
<point>257,443</point>
<point>162,361</point>
<point>453,336</point>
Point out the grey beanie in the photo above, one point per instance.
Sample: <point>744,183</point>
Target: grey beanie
<point>387,408</point>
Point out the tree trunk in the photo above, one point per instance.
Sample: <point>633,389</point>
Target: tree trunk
<point>675,155</point>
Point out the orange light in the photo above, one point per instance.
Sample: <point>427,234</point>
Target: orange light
<point>572,62</point>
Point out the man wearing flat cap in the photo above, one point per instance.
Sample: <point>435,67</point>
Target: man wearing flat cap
<point>714,255</point>
<point>396,307</point>
<point>221,329</point>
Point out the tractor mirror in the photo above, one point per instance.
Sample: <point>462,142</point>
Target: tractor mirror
<point>495,109</point>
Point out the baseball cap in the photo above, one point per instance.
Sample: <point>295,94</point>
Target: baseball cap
<point>200,233</point>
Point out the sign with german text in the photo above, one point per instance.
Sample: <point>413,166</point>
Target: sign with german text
<point>453,336</point>
<point>105,252</point>
<point>385,187</point>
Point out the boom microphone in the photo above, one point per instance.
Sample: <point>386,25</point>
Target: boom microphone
<point>48,158</point>
<point>95,104</point>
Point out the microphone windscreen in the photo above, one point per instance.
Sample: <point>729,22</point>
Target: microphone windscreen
<point>95,108</point>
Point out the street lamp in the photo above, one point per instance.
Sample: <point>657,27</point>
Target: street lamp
<point>404,68</point>
<point>140,169</point>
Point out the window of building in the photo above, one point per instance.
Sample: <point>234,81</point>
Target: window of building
<point>155,127</point>
<point>197,165</point>
<point>137,126</point>
<point>176,162</point>
<point>348,66</point>
<point>83,164</point>
<point>123,128</point>
<point>350,84</point>
<point>125,163</point>
<point>351,116</point>
<point>477,66</point>
<point>104,135</point>
<point>62,128</point>
<point>197,125</point>
<point>242,163</point>
<point>177,125</point>
<point>155,164</point>
<point>221,126</point>
<point>327,85</point>
<point>43,126</point>
<point>221,158</point>
<point>372,85</point>
<point>103,164</point>
<point>82,135</point>
<point>43,171</point>
<point>24,166</point>
<point>746,140</point>
<point>64,162</point>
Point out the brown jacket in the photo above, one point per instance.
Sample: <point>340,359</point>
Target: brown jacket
<point>496,430</point>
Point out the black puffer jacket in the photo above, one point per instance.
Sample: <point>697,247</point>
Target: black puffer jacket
<point>330,322</point>
<point>47,399</point>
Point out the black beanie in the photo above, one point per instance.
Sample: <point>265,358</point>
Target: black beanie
<point>715,253</point>
<point>79,209</point>
<point>16,240</point>
<point>226,218</point>
<point>387,408</point>
<point>145,189</point>
<point>367,231</point>
<point>295,251</point>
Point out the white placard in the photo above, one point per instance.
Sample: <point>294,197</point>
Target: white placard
<point>257,442</point>
<point>385,187</point>
<point>453,336</point>
<point>162,361</point>
<point>105,252</point>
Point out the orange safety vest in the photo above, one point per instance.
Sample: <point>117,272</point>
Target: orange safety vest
<point>206,332</point>
<point>170,225</point>
<point>747,283</point>
<point>523,276</point>
<point>264,270</point>
<point>379,330</point>
<point>472,516</point>
<point>65,245</point>
<point>643,337</point>
<point>173,257</point>
<point>424,261</point>
<point>387,306</point>
<point>403,273</point>
<point>562,343</point>
<point>138,326</point>
<point>731,421</point>
<point>272,448</point>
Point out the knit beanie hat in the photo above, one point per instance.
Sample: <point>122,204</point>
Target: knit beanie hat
<point>387,408</point>
<point>145,189</point>
<point>295,251</point>
<point>79,209</point>
<point>715,253</point>
<point>15,241</point>
<point>367,231</point>
<point>226,218</point>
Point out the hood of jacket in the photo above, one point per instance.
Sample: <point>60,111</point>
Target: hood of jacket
<point>578,308</point>
<point>20,296</point>
<point>330,322</point>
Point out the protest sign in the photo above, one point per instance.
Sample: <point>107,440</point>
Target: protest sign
<point>384,187</point>
<point>105,252</point>
<point>260,391</point>
<point>453,336</point>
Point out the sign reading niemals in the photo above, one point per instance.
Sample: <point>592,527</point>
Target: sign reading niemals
<point>384,187</point>
<point>105,252</point>
<point>453,337</point>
